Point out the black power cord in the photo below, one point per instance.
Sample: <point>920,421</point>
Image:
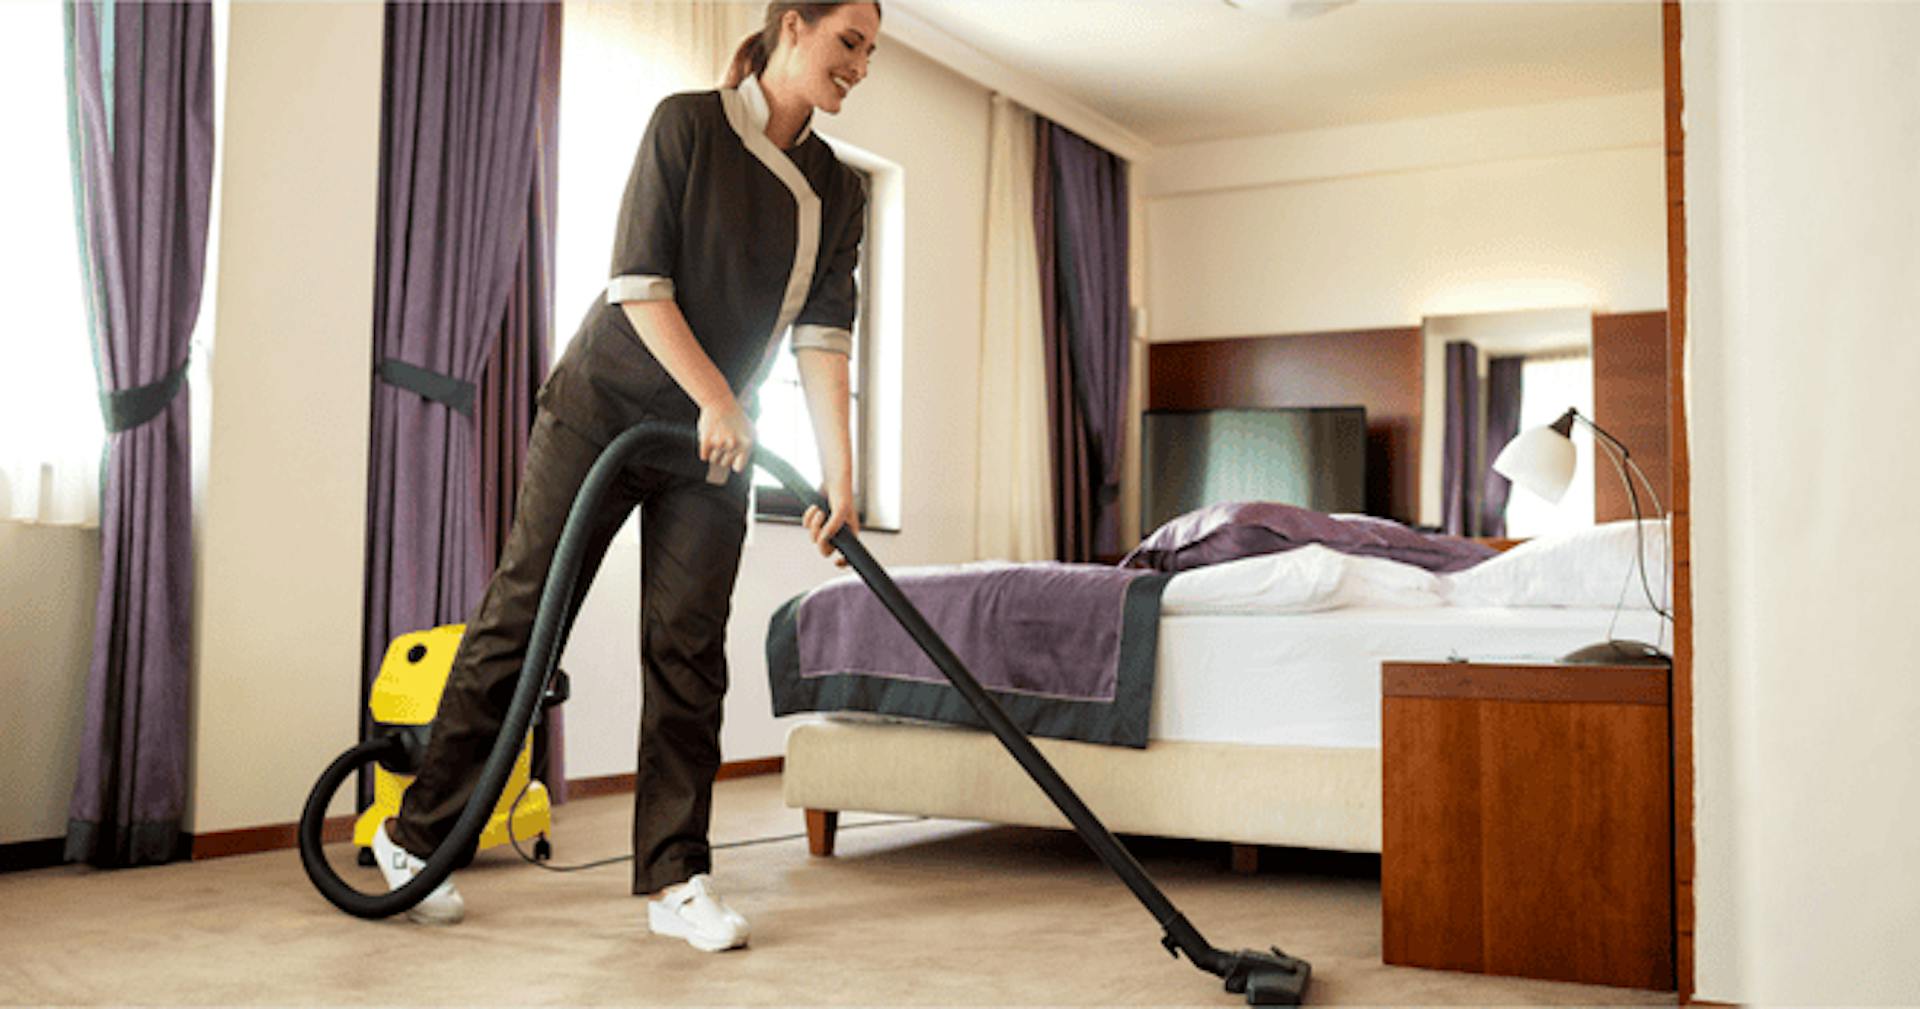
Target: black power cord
<point>617,859</point>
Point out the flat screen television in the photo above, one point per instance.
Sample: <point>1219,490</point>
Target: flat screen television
<point>1314,457</point>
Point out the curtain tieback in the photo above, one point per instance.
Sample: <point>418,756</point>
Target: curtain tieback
<point>126,409</point>
<point>454,393</point>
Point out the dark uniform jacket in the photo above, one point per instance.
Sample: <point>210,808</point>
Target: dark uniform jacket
<point>748,239</point>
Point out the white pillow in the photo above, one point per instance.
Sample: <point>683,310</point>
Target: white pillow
<point>1588,568</point>
<point>1303,580</point>
<point>1377,581</point>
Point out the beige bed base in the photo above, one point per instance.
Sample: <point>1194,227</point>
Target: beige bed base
<point>1306,797</point>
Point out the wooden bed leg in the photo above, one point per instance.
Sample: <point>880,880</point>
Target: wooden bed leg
<point>821,823</point>
<point>1245,859</point>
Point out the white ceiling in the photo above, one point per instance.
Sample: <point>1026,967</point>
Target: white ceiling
<point>1177,71</point>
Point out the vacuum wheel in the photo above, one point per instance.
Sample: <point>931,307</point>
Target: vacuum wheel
<point>542,849</point>
<point>365,858</point>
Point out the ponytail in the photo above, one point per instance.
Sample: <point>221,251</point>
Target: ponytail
<point>750,58</point>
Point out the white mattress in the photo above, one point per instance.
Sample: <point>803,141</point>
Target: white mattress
<point>1313,679</point>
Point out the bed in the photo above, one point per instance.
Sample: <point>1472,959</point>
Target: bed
<point>1264,723</point>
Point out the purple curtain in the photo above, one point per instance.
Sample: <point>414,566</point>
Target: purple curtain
<point>1066,426</point>
<point>518,365</point>
<point>1503,423</point>
<point>140,117</point>
<point>459,143</point>
<point>1461,460</point>
<point>1088,310</point>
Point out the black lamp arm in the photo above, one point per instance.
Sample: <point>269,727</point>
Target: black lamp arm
<point>1573,414</point>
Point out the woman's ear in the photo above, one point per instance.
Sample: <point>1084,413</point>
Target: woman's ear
<point>790,23</point>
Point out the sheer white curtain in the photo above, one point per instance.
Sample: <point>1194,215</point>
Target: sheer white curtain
<point>1015,507</point>
<point>619,60</point>
<point>50,429</point>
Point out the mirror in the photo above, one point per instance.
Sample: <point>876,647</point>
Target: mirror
<point>1554,352</point>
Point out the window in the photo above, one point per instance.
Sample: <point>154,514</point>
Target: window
<point>786,428</point>
<point>51,435</point>
<point>52,439</point>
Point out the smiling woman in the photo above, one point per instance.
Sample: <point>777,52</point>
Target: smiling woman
<point>50,428</point>
<point>737,226</point>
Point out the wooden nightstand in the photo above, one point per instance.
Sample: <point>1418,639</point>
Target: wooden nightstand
<point>1528,821</point>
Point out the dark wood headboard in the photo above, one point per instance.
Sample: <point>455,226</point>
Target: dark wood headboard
<point>1377,369</point>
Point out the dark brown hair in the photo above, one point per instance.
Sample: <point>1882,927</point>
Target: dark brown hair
<point>751,57</point>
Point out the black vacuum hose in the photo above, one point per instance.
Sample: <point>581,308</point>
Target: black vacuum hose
<point>543,654</point>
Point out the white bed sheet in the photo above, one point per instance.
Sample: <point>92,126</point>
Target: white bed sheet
<point>1313,679</point>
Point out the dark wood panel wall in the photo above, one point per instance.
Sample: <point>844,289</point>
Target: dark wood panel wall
<point>1630,402</point>
<point>1377,369</point>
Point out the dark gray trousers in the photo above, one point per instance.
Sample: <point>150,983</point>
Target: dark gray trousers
<point>690,542</point>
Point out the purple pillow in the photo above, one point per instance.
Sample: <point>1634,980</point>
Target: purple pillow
<point>1227,532</point>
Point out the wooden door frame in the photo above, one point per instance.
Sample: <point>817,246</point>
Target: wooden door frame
<point>1681,707</point>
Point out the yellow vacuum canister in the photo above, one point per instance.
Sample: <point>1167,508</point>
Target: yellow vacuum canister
<point>407,693</point>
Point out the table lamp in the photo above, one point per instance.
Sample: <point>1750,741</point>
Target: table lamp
<point>1540,460</point>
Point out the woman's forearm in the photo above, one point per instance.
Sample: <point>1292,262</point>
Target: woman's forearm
<point>724,431</point>
<point>667,337</point>
<point>823,375</point>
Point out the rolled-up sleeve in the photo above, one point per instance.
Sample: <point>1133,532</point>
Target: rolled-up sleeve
<point>826,321</point>
<point>647,238</point>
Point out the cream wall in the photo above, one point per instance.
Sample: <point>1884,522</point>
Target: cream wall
<point>932,123</point>
<point>48,578</point>
<point>278,628</point>
<point>1549,206</point>
<point>1803,130</point>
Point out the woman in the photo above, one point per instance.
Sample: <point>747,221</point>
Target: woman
<point>737,223</point>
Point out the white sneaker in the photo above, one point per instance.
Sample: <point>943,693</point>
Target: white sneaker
<point>694,912</point>
<point>397,865</point>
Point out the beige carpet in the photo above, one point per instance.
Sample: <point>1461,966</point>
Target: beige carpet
<point>920,913</point>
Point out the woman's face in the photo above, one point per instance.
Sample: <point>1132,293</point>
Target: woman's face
<point>822,61</point>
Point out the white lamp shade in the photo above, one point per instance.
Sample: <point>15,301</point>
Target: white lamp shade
<point>1539,459</point>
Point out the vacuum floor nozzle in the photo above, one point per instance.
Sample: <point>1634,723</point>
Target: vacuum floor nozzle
<point>1268,978</point>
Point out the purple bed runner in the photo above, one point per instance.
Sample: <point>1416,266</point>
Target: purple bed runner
<point>1067,650</point>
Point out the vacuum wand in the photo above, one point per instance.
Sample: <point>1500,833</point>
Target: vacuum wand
<point>1266,978</point>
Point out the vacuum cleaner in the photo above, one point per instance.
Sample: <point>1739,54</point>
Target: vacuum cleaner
<point>1265,978</point>
<point>403,701</point>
